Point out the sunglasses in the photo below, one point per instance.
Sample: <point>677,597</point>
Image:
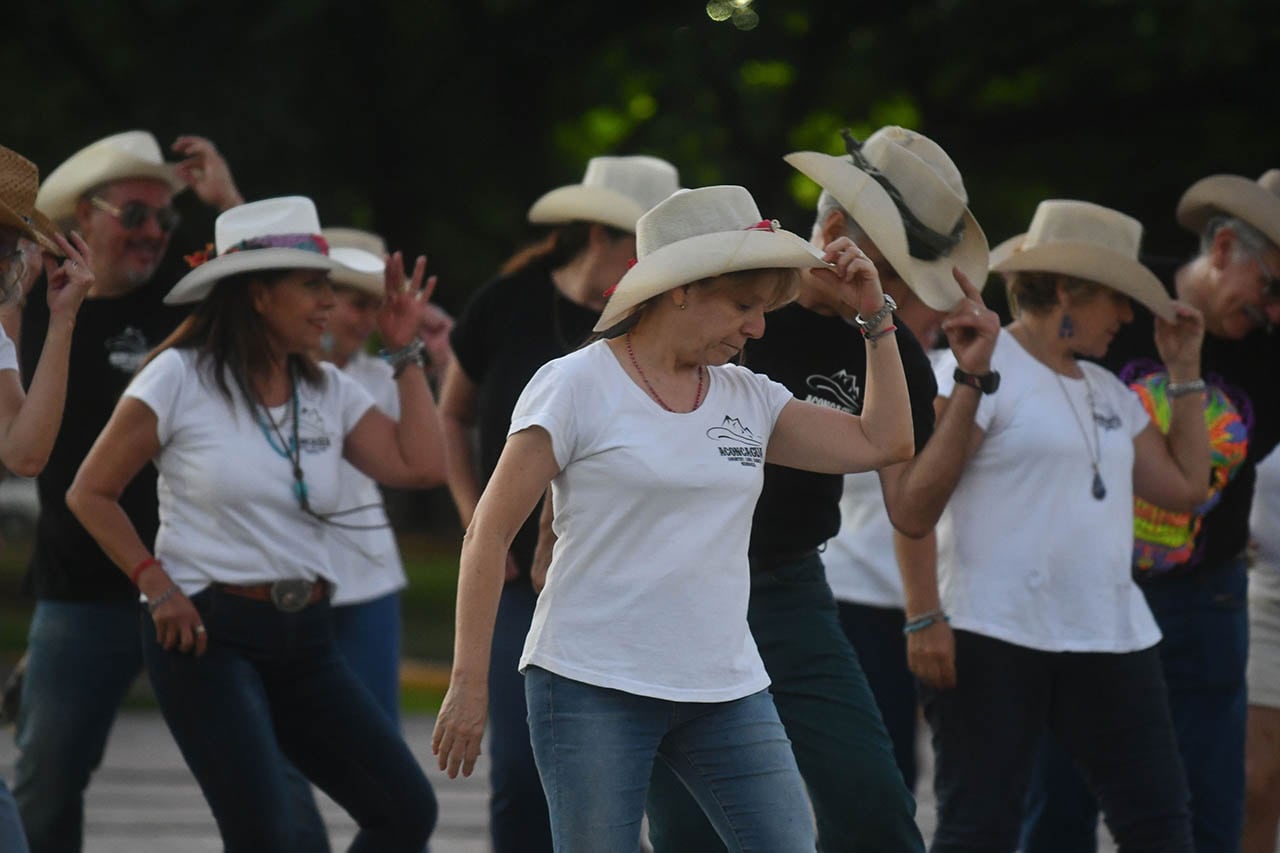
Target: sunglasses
<point>135,214</point>
<point>1270,283</point>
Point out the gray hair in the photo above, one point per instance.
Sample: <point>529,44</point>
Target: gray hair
<point>826,204</point>
<point>1248,238</point>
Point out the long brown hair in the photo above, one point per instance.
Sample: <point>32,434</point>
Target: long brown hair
<point>225,328</point>
<point>560,246</point>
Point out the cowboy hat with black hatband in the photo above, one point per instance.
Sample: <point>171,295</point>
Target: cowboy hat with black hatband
<point>907,196</point>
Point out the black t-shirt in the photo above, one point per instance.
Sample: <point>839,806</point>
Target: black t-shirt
<point>1244,371</point>
<point>823,360</point>
<point>510,328</point>
<point>111,338</point>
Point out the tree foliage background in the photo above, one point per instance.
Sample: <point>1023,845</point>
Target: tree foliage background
<point>437,122</point>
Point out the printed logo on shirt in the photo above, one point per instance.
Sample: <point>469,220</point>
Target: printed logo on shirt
<point>838,391</point>
<point>313,435</point>
<point>127,350</point>
<point>1107,420</point>
<point>737,444</point>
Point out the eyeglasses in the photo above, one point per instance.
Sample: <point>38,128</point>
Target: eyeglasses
<point>135,214</point>
<point>1270,283</point>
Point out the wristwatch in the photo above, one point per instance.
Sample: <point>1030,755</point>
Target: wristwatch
<point>987,383</point>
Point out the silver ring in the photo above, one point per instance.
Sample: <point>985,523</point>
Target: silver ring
<point>199,629</point>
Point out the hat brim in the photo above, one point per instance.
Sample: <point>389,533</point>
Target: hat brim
<point>878,217</point>
<point>1095,263</point>
<point>37,228</point>
<point>578,203</point>
<point>1230,195</point>
<point>705,256</point>
<point>358,269</point>
<point>63,188</point>
<point>197,284</point>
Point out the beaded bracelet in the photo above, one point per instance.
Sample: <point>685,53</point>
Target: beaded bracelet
<point>921,622</point>
<point>154,604</point>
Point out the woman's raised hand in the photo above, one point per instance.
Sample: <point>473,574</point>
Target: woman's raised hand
<point>854,273</point>
<point>403,308</point>
<point>69,281</point>
<point>1179,342</point>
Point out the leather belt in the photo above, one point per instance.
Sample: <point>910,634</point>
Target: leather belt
<point>289,596</point>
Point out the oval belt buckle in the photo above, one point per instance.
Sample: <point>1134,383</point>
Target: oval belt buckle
<point>290,596</point>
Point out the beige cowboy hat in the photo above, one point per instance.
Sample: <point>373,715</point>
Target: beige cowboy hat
<point>1255,202</point>
<point>19,181</point>
<point>932,192</point>
<point>273,234</point>
<point>615,191</point>
<point>702,233</point>
<point>132,154</point>
<point>362,255</point>
<point>1090,242</point>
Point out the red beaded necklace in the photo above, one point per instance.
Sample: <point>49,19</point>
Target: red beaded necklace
<point>697,397</point>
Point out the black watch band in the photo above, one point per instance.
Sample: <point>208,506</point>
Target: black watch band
<point>987,383</point>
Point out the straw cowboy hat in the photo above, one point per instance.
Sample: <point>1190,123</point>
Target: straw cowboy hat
<point>362,255</point>
<point>273,234</point>
<point>702,233</point>
<point>19,180</point>
<point>132,154</point>
<point>615,191</point>
<point>1086,241</point>
<point>1255,202</point>
<point>908,197</point>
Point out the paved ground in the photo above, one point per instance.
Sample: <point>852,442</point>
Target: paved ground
<point>143,800</point>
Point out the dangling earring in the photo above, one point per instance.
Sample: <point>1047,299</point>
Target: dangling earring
<point>684,305</point>
<point>1066,329</point>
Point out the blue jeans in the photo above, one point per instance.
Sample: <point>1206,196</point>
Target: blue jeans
<point>1110,710</point>
<point>876,636</point>
<point>830,715</point>
<point>518,820</point>
<point>368,637</point>
<point>12,838</point>
<point>596,749</point>
<point>81,658</point>
<point>272,690</point>
<point>1204,619</point>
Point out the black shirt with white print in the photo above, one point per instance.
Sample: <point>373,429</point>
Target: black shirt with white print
<point>822,360</point>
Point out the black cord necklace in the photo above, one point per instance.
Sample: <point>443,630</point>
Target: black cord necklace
<point>1099,489</point>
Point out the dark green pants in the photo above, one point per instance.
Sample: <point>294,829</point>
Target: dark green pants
<point>830,714</point>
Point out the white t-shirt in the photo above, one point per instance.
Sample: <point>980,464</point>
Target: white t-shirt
<point>1033,558</point>
<point>1264,517</point>
<point>860,563</point>
<point>8,353</point>
<point>228,513</point>
<point>648,585</point>
<point>367,561</point>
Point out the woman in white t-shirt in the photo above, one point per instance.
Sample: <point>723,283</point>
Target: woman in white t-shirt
<point>1049,629</point>
<point>366,557</point>
<point>1262,765</point>
<point>249,437</point>
<point>29,420</point>
<point>654,447</point>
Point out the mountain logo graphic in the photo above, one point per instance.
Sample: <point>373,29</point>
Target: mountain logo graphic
<point>731,429</point>
<point>840,386</point>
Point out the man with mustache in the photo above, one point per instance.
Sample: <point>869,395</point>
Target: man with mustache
<point>83,649</point>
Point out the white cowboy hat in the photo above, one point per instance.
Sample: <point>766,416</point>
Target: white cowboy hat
<point>19,179</point>
<point>615,191</point>
<point>1090,242</point>
<point>132,154</point>
<point>273,234</point>
<point>362,255</point>
<point>932,192</point>
<point>1255,202</point>
<point>702,233</point>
